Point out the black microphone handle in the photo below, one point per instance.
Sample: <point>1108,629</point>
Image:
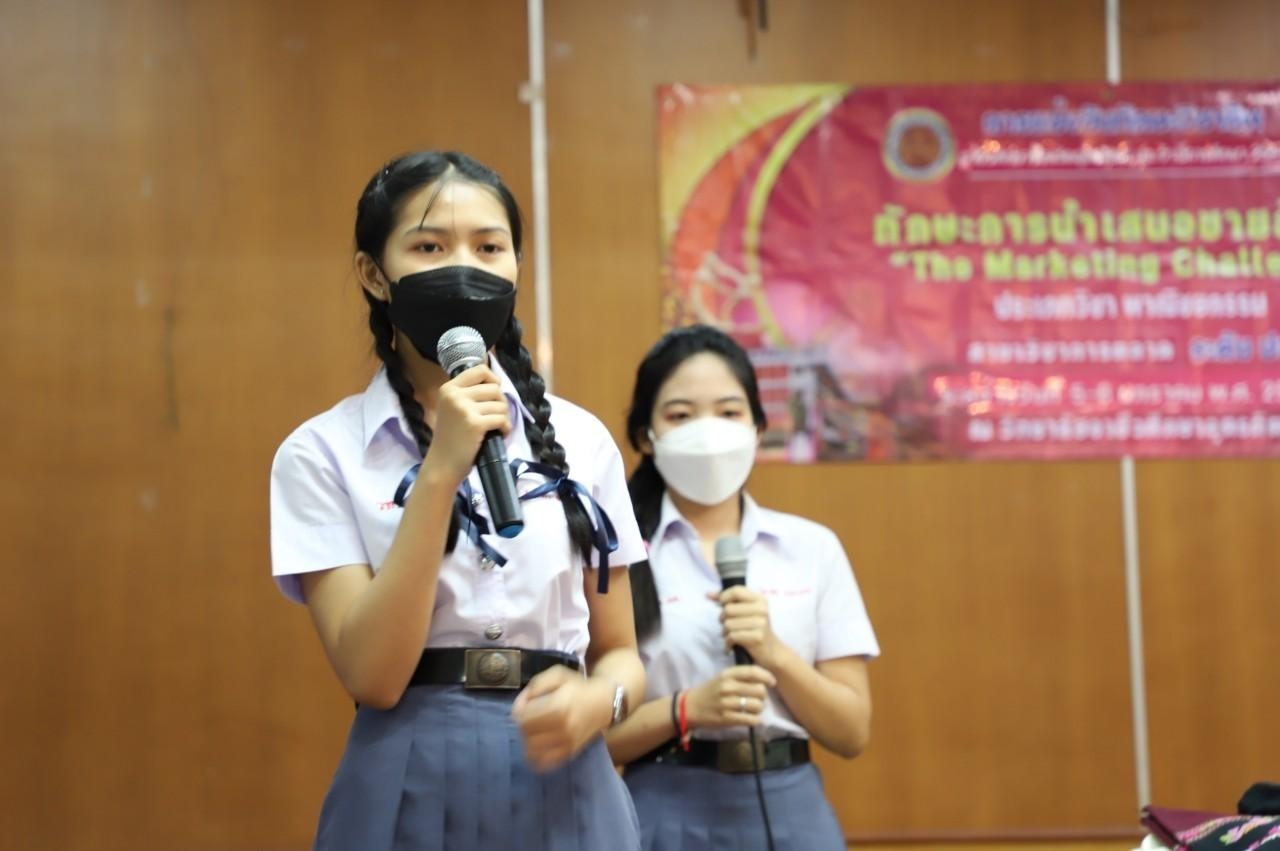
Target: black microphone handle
<point>740,655</point>
<point>499,486</point>
<point>495,477</point>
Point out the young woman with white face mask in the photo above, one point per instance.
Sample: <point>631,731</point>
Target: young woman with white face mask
<point>696,418</point>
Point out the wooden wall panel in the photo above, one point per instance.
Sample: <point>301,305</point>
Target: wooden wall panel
<point>1211,593</point>
<point>180,180</point>
<point>1001,701</point>
<point>1211,590</point>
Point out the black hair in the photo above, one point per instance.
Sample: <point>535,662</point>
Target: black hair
<point>646,484</point>
<point>376,214</point>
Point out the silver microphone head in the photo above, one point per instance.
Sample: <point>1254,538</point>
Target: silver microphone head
<point>731,558</point>
<point>460,348</point>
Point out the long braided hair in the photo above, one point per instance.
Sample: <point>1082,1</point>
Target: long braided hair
<point>375,217</point>
<point>646,484</point>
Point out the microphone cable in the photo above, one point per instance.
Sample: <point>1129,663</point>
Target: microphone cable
<point>764,810</point>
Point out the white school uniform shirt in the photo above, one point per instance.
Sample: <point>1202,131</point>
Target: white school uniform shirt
<point>799,566</point>
<point>332,487</point>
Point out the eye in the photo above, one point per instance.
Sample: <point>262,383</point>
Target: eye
<point>676,416</point>
<point>492,248</point>
<point>428,247</point>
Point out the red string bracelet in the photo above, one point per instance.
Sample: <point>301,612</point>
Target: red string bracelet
<point>684,720</point>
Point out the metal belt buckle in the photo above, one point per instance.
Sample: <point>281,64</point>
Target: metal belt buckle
<point>491,667</point>
<point>734,757</point>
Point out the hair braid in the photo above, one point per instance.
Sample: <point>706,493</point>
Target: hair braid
<point>384,346</point>
<point>517,363</point>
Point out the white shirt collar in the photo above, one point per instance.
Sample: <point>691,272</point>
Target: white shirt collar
<point>757,522</point>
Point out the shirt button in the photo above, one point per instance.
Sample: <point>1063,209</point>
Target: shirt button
<point>493,631</point>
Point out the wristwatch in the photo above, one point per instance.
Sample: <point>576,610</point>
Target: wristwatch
<point>619,706</point>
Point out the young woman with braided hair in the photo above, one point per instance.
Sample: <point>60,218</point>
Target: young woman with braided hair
<point>484,667</point>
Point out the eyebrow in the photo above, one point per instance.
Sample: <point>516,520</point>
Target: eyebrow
<point>446,231</point>
<point>719,401</point>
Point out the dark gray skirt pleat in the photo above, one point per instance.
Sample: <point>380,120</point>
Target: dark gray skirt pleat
<point>683,808</point>
<point>445,769</point>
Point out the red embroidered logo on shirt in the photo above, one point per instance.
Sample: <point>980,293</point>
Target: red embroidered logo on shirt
<point>785,592</point>
<point>387,506</point>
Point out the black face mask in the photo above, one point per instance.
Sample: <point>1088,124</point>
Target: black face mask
<point>426,304</point>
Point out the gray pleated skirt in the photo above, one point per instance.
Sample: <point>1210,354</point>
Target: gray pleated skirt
<point>687,808</point>
<point>445,769</point>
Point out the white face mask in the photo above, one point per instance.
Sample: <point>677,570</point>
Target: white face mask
<point>706,460</point>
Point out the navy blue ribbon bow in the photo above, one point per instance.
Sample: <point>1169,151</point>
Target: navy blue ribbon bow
<point>603,536</point>
<point>474,525</point>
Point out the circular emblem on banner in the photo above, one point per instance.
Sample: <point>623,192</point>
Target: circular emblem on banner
<point>918,146</point>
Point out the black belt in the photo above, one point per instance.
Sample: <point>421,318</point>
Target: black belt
<point>732,756</point>
<point>486,667</point>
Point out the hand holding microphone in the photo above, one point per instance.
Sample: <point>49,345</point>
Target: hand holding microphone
<point>744,612</point>
<point>744,615</point>
<point>471,419</point>
<point>736,696</point>
<point>733,698</point>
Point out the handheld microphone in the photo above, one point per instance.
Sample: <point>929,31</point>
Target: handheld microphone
<point>731,564</point>
<point>459,349</point>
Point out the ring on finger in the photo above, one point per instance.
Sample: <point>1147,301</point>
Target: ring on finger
<point>742,703</point>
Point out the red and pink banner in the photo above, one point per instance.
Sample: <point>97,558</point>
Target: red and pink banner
<point>985,271</point>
